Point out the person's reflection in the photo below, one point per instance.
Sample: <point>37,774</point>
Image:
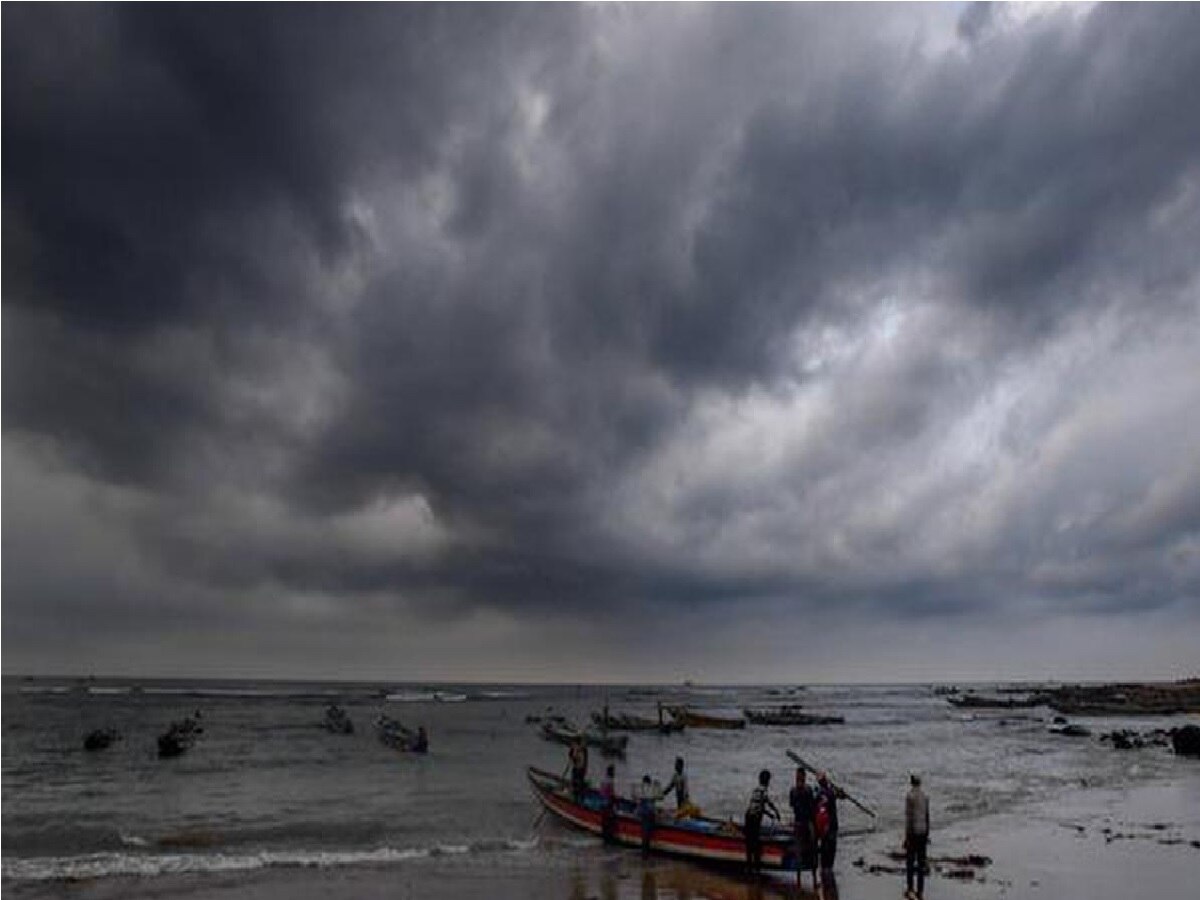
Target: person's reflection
<point>578,884</point>
<point>608,884</point>
<point>829,887</point>
<point>649,885</point>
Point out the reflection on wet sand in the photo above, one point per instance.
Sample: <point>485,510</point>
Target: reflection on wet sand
<point>666,880</point>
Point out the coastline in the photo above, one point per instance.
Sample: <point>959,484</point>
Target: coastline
<point>1095,843</point>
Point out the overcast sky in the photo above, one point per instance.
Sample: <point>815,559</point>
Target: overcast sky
<point>786,343</point>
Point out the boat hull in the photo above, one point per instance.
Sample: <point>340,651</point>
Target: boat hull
<point>710,841</point>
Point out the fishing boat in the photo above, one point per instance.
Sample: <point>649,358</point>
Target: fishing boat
<point>713,841</point>
<point>627,722</point>
<point>788,715</point>
<point>565,733</point>
<point>337,720</point>
<point>392,733</point>
<point>180,737</point>
<point>693,719</point>
<point>101,738</point>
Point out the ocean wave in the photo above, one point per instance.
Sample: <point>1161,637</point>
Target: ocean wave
<point>425,697</point>
<point>108,865</point>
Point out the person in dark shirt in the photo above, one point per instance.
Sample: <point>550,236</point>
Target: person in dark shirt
<point>608,808</point>
<point>420,743</point>
<point>679,784</point>
<point>760,805</point>
<point>916,837</point>
<point>578,756</point>
<point>803,805</point>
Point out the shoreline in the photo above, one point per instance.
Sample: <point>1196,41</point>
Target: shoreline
<point>1098,843</point>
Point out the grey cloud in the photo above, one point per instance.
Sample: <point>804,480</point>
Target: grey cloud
<point>645,310</point>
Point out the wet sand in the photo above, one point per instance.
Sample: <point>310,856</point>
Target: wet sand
<point>1099,844</point>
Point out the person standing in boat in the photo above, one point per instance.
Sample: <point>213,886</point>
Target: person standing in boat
<point>608,805</point>
<point>760,805</point>
<point>578,756</point>
<point>916,837</point>
<point>679,784</point>
<point>825,820</point>
<point>804,809</point>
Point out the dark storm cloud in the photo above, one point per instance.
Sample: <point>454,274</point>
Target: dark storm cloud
<point>396,315</point>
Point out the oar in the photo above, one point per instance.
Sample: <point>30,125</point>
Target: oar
<point>799,760</point>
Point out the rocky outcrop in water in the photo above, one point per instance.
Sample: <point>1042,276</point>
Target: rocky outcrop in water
<point>1186,740</point>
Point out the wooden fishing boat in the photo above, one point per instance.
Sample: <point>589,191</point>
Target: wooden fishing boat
<point>607,744</point>
<point>788,715</point>
<point>713,841</point>
<point>704,720</point>
<point>626,722</point>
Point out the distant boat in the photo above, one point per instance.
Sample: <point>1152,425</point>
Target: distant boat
<point>337,720</point>
<point>626,722</point>
<point>565,733</point>
<point>788,715</point>
<point>101,738</point>
<point>704,720</point>
<point>179,738</point>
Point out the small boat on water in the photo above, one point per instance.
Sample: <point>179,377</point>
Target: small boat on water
<point>101,738</point>
<point>337,720</point>
<point>692,719</point>
<point>788,715</point>
<point>180,737</point>
<point>607,721</point>
<point>565,733</point>
<point>392,733</point>
<point>713,841</point>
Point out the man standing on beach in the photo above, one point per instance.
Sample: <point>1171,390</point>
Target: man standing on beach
<point>916,837</point>
<point>760,805</point>
<point>803,808</point>
<point>825,821</point>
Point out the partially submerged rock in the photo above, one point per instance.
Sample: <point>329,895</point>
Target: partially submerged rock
<point>1186,740</point>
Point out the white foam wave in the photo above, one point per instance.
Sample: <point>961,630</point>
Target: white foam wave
<point>411,697</point>
<point>102,865</point>
<point>109,690</point>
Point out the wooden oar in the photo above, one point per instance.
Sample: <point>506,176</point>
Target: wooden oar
<point>799,760</point>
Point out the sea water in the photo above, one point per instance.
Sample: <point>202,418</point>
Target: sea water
<point>266,786</point>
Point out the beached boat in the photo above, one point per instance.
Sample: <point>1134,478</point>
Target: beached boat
<point>693,719</point>
<point>788,715</point>
<point>607,744</point>
<point>713,841</point>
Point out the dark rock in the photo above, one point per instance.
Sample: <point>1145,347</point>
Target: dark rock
<point>1186,740</point>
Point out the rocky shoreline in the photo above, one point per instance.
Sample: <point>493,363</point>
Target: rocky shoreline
<point>1118,699</point>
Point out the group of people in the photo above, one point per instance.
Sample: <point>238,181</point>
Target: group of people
<point>814,812</point>
<point>815,822</point>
